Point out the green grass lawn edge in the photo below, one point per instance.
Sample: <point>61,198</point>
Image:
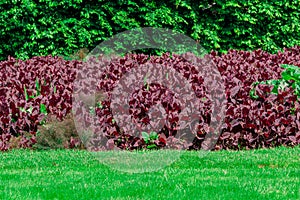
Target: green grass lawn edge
<point>73,174</point>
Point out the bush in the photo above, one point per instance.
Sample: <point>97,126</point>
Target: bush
<point>61,27</point>
<point>267,121</point>
<point>31,89</point>
<point>56,134</point>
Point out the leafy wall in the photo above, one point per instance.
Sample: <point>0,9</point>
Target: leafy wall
<point>61,27</point>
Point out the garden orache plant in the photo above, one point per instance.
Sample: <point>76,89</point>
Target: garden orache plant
<point>290,78</point>
<point>42,108</point>
<point>25,100</point>
<point>249,123</point>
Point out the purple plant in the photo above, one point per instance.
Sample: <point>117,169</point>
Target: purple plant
<point>249,123</point>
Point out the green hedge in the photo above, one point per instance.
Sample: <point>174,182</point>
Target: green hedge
<point>61,27</point>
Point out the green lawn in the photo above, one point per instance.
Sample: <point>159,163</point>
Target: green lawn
<point>68,174</point>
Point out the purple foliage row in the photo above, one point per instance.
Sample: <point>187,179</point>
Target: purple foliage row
<point>249,123</point>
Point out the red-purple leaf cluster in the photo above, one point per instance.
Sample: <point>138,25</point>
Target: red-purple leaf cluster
<point>141,100</point>
<point>18,79</point>
<point>268,121</point>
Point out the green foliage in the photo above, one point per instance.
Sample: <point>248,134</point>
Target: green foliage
<point>149,139</point>
<point>50,27</point>
<point>292,76</point>
<point>61,27</point>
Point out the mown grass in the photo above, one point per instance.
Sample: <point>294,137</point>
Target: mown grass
<point>68,174</point>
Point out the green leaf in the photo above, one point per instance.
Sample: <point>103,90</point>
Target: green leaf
<point>275,84</point>
<point>252,91</point>
<point>38,87</point>
<point>92,110</point>
<point>287,75</point>
<point>26,94</point>
<point>151,146</point>
<point>22,109</point>
<point>153,135</point>
<point>43,108</point>
<point>145,136</point>
<point>29,110</point>
<point>286,66</point>
<point>99,105</point>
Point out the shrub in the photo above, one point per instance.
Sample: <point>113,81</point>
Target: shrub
<point>56,134</point>
<point>270,120</point>
<point>266,121</point>
<point>31,89</point>
<point>61,27</point>
<point>290,78</point>
<point>249,123</point>
<point>22,141</point>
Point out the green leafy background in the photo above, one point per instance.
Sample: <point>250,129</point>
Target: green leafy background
<point>61,27</point>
